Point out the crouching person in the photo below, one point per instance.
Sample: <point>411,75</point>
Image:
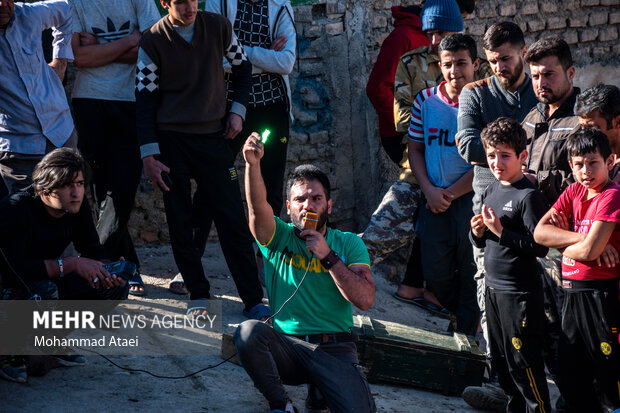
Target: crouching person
<point>312,278</point>
<point>37,225</point>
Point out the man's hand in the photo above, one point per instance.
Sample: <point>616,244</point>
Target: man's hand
<point>253,149</point>
<point>315,243</point>
<point>492,221</point>
<point>609,257</point>
<point>87,39</point>
<point>279,43</point>
<point>558,219</point>
<point>135,37</point>
<point>95,273</point>
<point>477,226</point>
<point>234,124</point>
<point>60,67</point>
<point>152,170</point>
<point>438,199</point>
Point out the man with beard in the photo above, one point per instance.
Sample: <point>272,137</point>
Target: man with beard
<point>508,93</point>
<point>312,278</point>
<point>552,121</point>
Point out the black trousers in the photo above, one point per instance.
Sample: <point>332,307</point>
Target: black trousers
<point>516,323</point>
<point>413,274</point>
<point>589,364</point>
<point>271,359</point>
<point>108,140</point>
<point>274,117</point>
<point>447,260</point>
<point>210,162</point>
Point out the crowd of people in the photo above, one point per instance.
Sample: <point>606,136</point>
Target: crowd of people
<point>504,214</point>
<point>507,181</point>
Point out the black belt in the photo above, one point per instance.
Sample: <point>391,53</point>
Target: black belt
<point>325,338</point>
<point>590,284</point>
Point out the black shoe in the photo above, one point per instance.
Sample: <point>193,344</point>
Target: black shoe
<point>486,397</point>
<point>13,368</point>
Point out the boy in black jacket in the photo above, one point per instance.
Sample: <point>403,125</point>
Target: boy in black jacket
<point>511,208</point>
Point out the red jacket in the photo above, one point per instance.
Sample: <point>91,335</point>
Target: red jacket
<point>407,35</point>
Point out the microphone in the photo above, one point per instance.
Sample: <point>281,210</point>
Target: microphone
<point>311,220</point>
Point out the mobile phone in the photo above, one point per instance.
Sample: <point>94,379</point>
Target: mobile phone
<point>122,269</point>
<point>166,178</point>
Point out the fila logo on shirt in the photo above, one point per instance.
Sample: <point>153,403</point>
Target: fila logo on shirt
<point>508,206</point>
<point>440,135</point>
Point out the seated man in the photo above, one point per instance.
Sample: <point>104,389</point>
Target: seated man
<point>309,341</point>
<point>38,224</point>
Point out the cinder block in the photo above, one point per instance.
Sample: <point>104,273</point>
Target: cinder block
<point>597,19</point>
<point>608,33</point>
<point>588,35</point>
<point>556,23</point>
<point>535,25</point>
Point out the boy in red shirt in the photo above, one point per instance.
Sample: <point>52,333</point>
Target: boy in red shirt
<point>584,222</point>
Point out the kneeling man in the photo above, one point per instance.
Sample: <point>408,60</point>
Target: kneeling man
<point>312,278</point>
<point>38,224</point>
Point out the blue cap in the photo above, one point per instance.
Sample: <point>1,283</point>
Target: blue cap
<point>443,15</point>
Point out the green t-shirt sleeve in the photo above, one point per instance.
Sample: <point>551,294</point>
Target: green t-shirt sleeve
<point>356,253</point>
<point>275,238</point>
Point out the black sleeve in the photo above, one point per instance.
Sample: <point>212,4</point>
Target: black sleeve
<point>241,69</point>
<point>147,101</point>
<point>16,227</point>
<point>481,242</point>
<point>85,236</point>
<point>478,242</point>
<point>533,207</point>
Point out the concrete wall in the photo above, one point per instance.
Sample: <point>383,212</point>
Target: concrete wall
<point>335,125</point>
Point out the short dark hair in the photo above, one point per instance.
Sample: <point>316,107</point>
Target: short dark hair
<point>605,98</point>
<point>305,173</point>
<point>504,131</point>
<point>457,41</point>
<point>550,46</point>
<point>503,32</point>
<point>57,169</point>
<point>588,140</point>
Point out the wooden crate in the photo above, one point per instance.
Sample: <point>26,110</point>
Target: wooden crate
<point>395,353</point>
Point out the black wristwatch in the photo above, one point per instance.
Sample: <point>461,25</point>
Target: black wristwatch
<point>330,260</point>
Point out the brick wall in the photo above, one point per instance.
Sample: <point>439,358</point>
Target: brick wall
<point>335,125</point>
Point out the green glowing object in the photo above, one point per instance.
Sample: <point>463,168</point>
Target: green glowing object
<point>264,136</point>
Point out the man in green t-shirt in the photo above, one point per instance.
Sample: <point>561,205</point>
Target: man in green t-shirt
<point>312,278</point>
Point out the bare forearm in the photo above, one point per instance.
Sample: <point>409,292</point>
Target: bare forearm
<point>60,67</point>
<point>260,214</point>
<point>554,237</point>
<point>357,287</point>
<point>581,251</point>
<point>102,54</point>
<point>463,185</point>
<point>418,166</point>
<point>129,57</point>
<point>69,265</point>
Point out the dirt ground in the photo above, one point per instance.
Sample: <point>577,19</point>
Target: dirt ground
<point>101,387</point>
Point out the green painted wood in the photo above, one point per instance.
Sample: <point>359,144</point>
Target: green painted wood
<point>395,353</point>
